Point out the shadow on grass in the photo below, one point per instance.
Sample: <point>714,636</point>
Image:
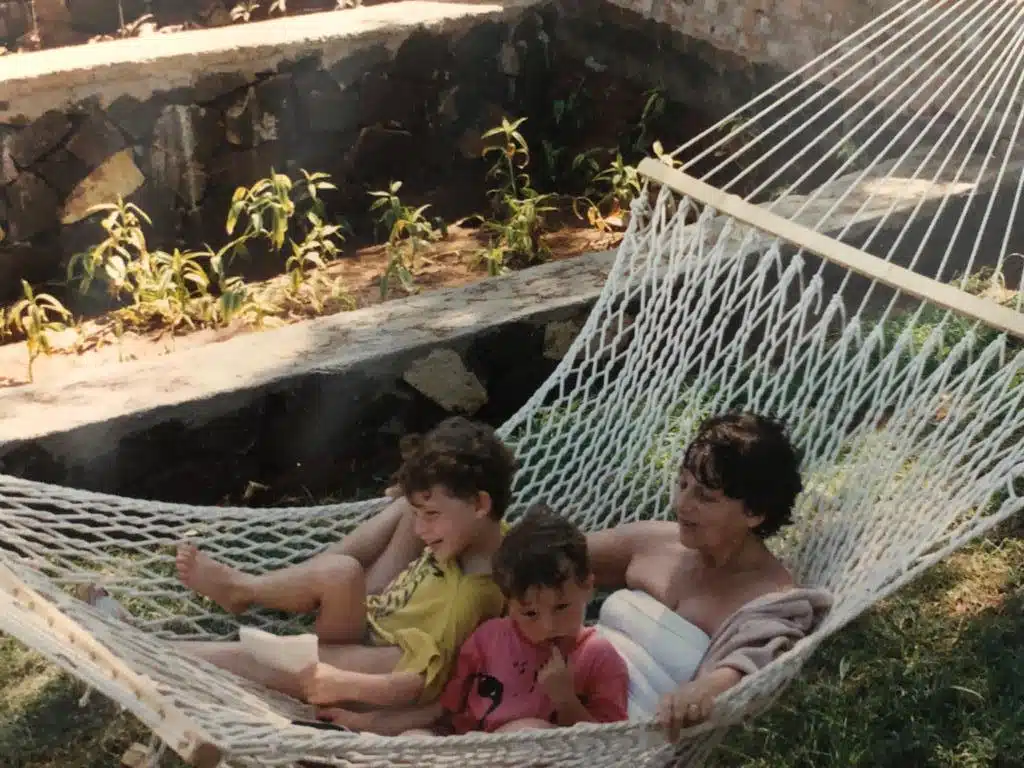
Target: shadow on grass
<point>931,677</point>
<point>42,725</point>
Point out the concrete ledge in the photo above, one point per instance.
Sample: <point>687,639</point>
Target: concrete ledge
<point>32,83</point>
<point>188,385</point>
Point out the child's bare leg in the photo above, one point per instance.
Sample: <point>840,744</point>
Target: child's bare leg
<point>326,684</point>
<point>358,659</point>
<point>332,584</point>
<point>526,724</point>
<point>384,545</point>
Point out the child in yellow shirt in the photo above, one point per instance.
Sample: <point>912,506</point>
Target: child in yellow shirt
<point>389,629</point>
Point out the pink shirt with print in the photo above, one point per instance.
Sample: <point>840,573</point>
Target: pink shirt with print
<point>495,679</point>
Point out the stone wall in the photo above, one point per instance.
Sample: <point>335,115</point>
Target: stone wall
<point>783,34</point>
<point>393,99</point>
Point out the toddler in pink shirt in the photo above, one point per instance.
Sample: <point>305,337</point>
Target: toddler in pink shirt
<point>537,667</point>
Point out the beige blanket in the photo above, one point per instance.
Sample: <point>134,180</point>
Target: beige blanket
<point>765,628</point>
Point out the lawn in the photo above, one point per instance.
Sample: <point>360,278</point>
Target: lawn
<point>932,677</point>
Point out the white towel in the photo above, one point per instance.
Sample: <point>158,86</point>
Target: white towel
<point>291,653</point>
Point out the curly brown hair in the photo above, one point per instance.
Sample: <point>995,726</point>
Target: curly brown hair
<point>543,549</point>
<point>463,456</point>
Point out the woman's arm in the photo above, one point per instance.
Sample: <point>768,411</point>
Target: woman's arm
<point>612,551</point>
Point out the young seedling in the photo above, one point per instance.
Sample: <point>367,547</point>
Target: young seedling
<point>409,233</point>
<point>520,208</point>
<point>35,315</point>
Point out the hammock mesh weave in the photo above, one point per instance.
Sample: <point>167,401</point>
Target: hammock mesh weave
<point>900,141</point>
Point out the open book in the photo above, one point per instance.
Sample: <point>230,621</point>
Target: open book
<point>291,653</point>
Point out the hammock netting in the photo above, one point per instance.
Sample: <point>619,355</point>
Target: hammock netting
<point>900,141</point>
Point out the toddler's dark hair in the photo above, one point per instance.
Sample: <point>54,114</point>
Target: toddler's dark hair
<point>543,549</point>
<point>465,457</point>
<point>748,457</point>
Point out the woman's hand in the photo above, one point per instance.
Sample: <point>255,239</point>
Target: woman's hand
<point>692,702</point>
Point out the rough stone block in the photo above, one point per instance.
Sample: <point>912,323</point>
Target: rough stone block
<point>61,170</point>
<point>210,87</point>
<point>95,141</point>
<point>247,124</point>
<point>443,378</point>
<point>237,169</point>
<point>33,207</point>
<point>276,97</point>
<point>349,71</point>
<point>240,119</point>
<point>117,176</point>
<point>324,105</point>
<point>133,117</point>
<point>14,20</point>
<point>383,153</point>
<point>39,137</point>
<point>8,170</point>
<point>558,338</point>
<point>184,141</point>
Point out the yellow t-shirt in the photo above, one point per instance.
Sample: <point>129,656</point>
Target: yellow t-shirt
<point>428,611</point>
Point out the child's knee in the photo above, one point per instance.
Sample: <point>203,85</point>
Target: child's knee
<point>338,570</point>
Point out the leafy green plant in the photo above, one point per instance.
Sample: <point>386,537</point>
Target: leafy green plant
<point>518,235</point>
<point>110,259</point>
<point>312,253</point>
<point>308,282</point>
<point>409,233</point>
<point>612,189</point>
<point>171,288</point>
<point>513,156</point>
<point>243,11</point>
<point>35,315</point>
<point>268,209</point>
<point>520,208</point>
<point>654,108</point>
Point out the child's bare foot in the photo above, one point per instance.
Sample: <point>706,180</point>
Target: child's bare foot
<point>221,583</point>
<point>323,685</point>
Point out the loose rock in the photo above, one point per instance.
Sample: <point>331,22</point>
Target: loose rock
<point>117,176</point>
<point>442,377</point>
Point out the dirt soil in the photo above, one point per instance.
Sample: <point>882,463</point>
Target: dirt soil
<point>450,262</point>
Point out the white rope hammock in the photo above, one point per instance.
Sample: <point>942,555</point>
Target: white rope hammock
<point>806,272</point>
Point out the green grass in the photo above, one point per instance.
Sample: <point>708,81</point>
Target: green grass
<point>931,677</point>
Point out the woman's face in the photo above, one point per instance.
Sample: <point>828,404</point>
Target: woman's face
<point>708,519</point>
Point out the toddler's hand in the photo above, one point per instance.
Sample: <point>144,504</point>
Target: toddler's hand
<point>556,679</point>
